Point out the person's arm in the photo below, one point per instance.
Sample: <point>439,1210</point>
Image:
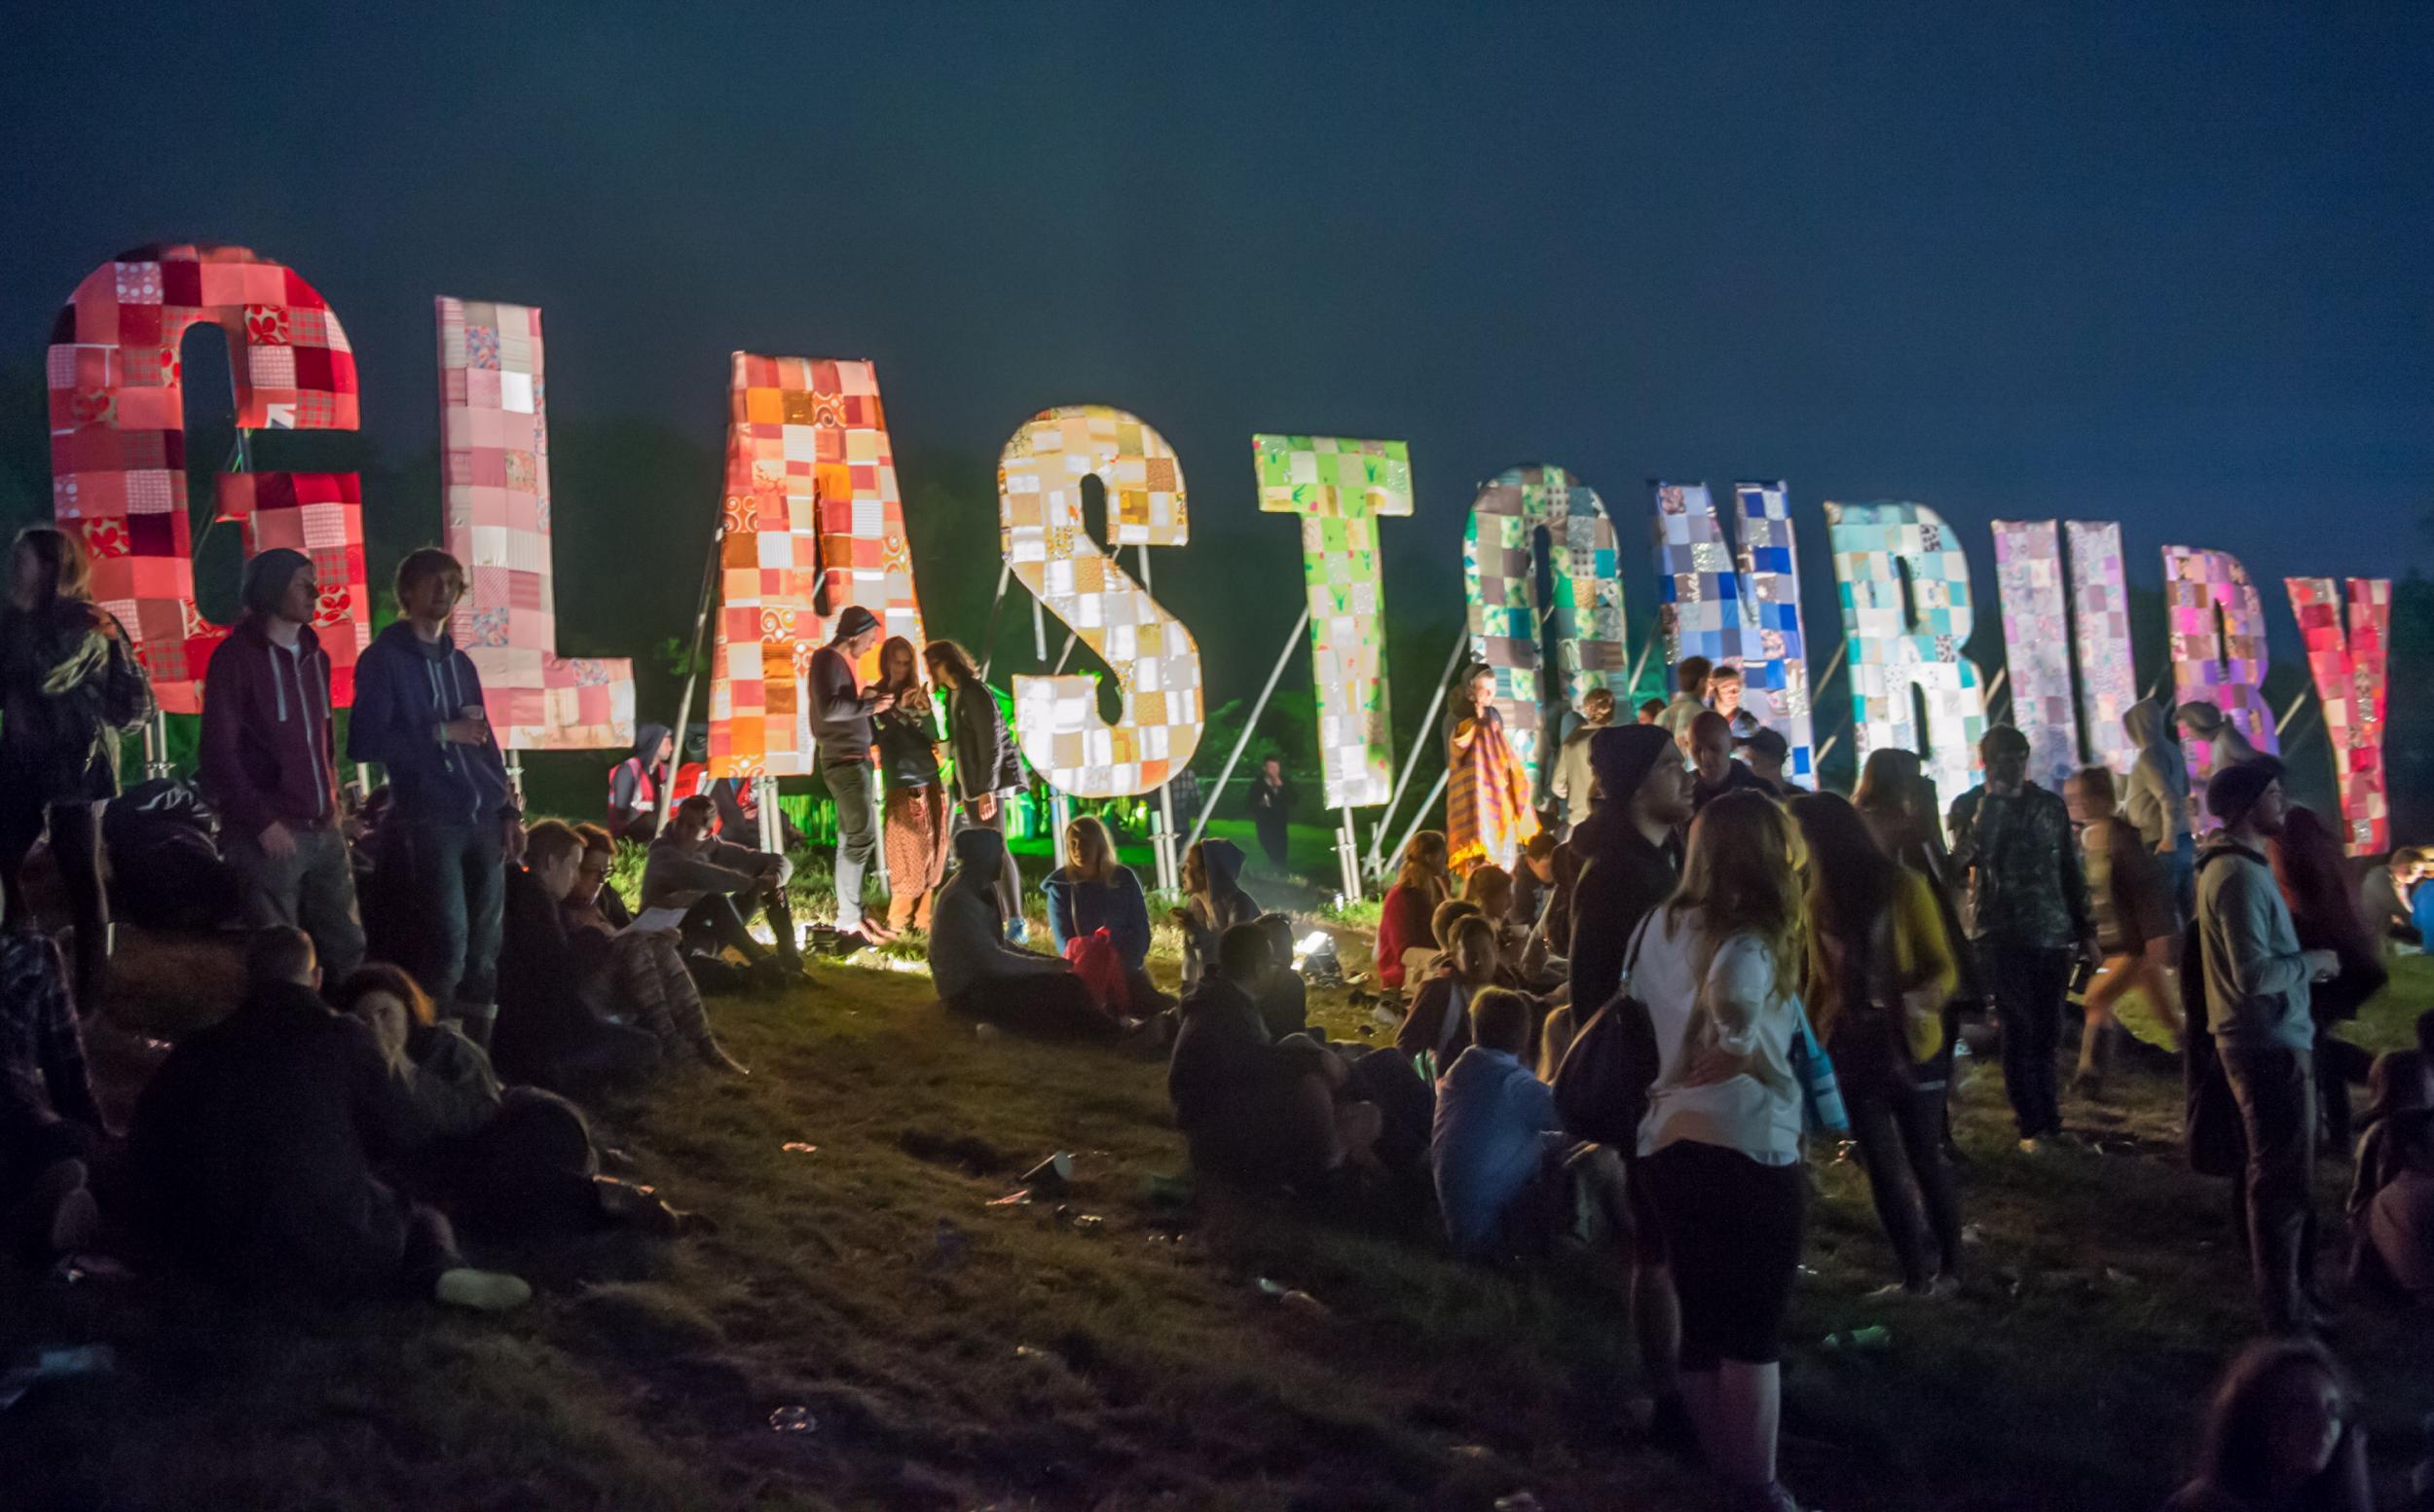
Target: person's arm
<point>486,752</point>
<point>1062,916</point>
<point>1535,1103</point>
<point>1740,987</point>
<point>2074,881</point>
<point>2260,970</point>
<point>1595,957</point>
<point>73,654</point>
<point>624,782</point>
<point>392,1122</point>
<point>1132,921</point>
<point>244,814</point>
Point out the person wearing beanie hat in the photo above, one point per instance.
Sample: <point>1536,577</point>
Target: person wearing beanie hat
<point>840,723</point>
<point>270,763</point>
<point>2258,1027</point>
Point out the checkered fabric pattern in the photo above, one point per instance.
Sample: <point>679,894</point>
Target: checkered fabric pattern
<point>1340,489</point>
<point>1501,588</point>
<point>1896,646</point>
<point>1156,661</point>
<point>2350,678</point>
<point>813,523</point>
<point>118,446</point>
<point>2037,645</point>
<point>2108,673</point>
<point>2217,622</point>
<point>1738,606</point>
<point>494,469</point>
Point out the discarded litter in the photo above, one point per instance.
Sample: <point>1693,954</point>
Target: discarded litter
<point>1026,1352</point>
<point>1518,1501</point>
<point>1873,1337</point>
<point>794,1419</point>
<point>987,1032</point>
<point>66,1364</point>
<point>1054,1171</point>
<point>1020,1199</point>
<point>797,1147</point>
<point>1089,1223</point>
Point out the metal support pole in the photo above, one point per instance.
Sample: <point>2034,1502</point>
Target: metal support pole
<point>1638,663</point>
<point>1419,742</point>
<point>2290,712</point>
<point>156,745</point>
<point>1169,859</point>
<point>1349,857</point>
<point>997,600</point>
<point>515,777</point>
<point>1250,724</point>
<point>1818,762</point>
<point>1994,689</point>
<point>1421,818</point>
<point>1832,665</point>
<point>1039,631</point>
<point>661,780</point>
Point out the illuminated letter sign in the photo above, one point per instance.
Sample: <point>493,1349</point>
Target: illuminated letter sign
<point>1340,489</point>
<point>1156,661</point>
<point>494,469</point>
<point>812,523</point>
<point>2350,678</point>
<point>117,448</point>
<point>1502,588</point>
<point>2218,648</point>
<point>1905,610</point>
<point>1739,607</point>
<point>2041,627</point>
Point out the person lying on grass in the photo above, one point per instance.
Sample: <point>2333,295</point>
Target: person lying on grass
<point>255,1142</point>
<point>978,972</point>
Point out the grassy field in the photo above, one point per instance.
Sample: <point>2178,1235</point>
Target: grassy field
<point>873,1327</point>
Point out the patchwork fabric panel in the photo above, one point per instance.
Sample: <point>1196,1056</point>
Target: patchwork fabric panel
<point>494,472</point>
<point>2351,680</point>
<point>2037,645</point>
<point>812,523</point>
<point>1739,605</point>
<point>2107,672</point>
<point>1340,489</point>
<point>2217,622</point>
<point>1156,661</point>
<point>1499,580</point>
<point>1905,646</point>
<point>118,446</point>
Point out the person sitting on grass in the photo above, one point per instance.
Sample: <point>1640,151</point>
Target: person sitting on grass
<point>51,1125</point>
<point>978,972</point>
<point>2391,1198</point>
<point>1284,1007</point>
<point>255,1142</point>
<point>690,868</point>
<point>1215,902</point>
<point>2281,1435</point>
<point>640,972</point>
<point>1437,1029</point>
<point>1093,890</point>
<point>547,1033</point>
<point>1510,1182</point>
<point>1522,949</point>
<point>516,1163</point>
<point>1407,918</point>
<point>1255,1110</point>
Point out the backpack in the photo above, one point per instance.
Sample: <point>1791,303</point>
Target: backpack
<point>1601,1087</point>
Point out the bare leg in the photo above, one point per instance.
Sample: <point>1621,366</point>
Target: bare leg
<point>1749,1401</point>
<point>2153,972</point>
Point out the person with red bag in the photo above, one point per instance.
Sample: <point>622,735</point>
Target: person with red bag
<point>1099,919</point>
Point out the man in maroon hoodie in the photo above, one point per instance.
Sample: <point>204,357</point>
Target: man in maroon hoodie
<point>270,765</point>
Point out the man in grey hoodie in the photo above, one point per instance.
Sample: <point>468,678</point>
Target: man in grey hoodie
<point>2157,800</point>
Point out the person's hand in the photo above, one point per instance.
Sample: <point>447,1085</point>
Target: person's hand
<point>464,731</point>
<point>2090,952</point>
<point>881,703</point>
<point>985,805</point>
<point>279,843</point>
<point>1180,915</point>
<point>511,838</point>
<point>2322,965</point>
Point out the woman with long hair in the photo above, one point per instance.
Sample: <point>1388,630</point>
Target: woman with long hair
<point>69,683</point>
<point>2280,1436</point>
<point>1406,915</point>
<point>1214,902</point>
<point>913,805</point>
<point>987,766</point>
<point>1487,797</point>
<point>1718,969</point>
<point>1899,801</point>
<point>2314,880</point>
<point>1879,972</point>
<point>1093,890</point>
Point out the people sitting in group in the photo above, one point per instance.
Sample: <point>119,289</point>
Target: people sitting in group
<point>634,796</point>
<point>255,1145</point>
<point>717,887</point>
<point>2391,1196</point>
<point>1214,902</point>
<point>2385,892</point>
<point>1437,1027</point>
<point>1256,1110</point>
<point>50,1124</point>
<point>981,974</point>
<point>2280,1435</point>
<point>1407,915</point>
<point>1522,951</point>
<point>1510,1182</point>
<point>1093,894</point>
<point>166,867</point>
<point>640,974</point>
<point>547,1032</point>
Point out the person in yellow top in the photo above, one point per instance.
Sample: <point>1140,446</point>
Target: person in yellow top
<point>1880,970</point>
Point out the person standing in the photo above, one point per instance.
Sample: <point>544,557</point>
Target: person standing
<point>2029,913</point>
<point>1689,700</point>
<point>914,805</point>
<point>1573,786</point>
<point>1725,694</point>
<point>840,723</point>
<point>987,766</point>
<point>2257,982</point>
<point>2157,800</point>
<point>1271,811</point>
<point>2315,878</point>
<point>2129,893</point>
<point>1711,753</point>
<point>269,763</point>
<point>1487,800</point>
<point>453,820</point>
<point>69,683</point>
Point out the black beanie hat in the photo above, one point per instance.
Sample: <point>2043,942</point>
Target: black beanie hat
<point>268,576</point>
<point>1623,754</point>
<point>2233,790</point>
<point>855,620</point>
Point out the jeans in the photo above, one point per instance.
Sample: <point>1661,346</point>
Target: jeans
<point>856,835</point>
<point>76,849</point>
<point>2028,983</point>
<point>1901,1138</point>
<point>450,884</point>
<point>2275,1089</point>
<point>313,889</point>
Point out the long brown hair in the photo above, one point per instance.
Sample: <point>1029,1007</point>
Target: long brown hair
<point>951,656</point>
<point>2238,1434</point>
<point>382,977</point>
<point>1417,869</point>
<point>66,570</point>
<point>1086,832</point>
<point>910,693</point>
<point>2314,879</point>
<point>1736,879</point>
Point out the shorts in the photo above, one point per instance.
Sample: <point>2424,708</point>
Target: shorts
<point>1733,1227</point>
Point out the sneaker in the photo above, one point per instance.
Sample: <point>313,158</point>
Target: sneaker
<point>483,1291</point>
<point>1895,1290</point>
<point>1944,1288</point>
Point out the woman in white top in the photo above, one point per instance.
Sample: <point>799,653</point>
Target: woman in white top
<point>1719,1148</point>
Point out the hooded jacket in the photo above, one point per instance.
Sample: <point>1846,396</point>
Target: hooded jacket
<point>1225,906</point>
<point>269,756</point>
<point>633,790</point>
<point>968,945</point>
<point>2158,800</point>
<point>405,690</point>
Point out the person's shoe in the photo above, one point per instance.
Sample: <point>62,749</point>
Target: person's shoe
<point>1944,1288</point>
<point>2088,1087</point>
<point>1769,1497</point>
<point>714,1055</point>
<point>1893,1290</point>
<point>483,1291</point>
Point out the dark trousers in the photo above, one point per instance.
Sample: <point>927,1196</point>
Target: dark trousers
<point>76,849</point>
<point>1900,1133</point>
<point>2275,1089</point>
<point>718,921</point>
<point>1273,842</point>
<point>1010,883</point>
<point>1053,1004</point>
<point>448,885</point>
<point>2028,983</point>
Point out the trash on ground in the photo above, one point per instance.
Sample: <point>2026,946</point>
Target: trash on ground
<point>1875,1336</point>
<point>1054,1171</point>
<point>1018,1198</point>
<point>794,1419</point>
<point>797,1147</point>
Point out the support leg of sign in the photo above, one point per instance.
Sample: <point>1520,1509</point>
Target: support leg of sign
<point>2291,712</point>
<point>663,777</point>
<point>1349,857</point>
<point>1061,814</point>
<point>997,600</point>
<point>1421,818</point>
<point>1250,724</point>
<point>1420,740</point>
<point>515,777</point>
<point>156,746</point>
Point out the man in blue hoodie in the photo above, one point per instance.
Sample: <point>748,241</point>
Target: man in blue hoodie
<point>454,820</point>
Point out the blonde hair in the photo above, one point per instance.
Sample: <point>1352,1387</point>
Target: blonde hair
<point>1086,832</point>
<point>1738,879</point>
<point>1485,880</point>
<point>1417,869</point>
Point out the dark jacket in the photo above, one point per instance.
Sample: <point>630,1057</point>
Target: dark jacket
<point>1622,880</point>
<point>2026,888</point>
<point>267,752</point>
<point>43,1073</point>
<point>405,689</point>
<point>541,1011</point>
<point>968,945</point>
<point>983,748</point>
<point>1438,1021</point>
<point>676,876</point>
<point>908,747</point>
<point>1222,1053</point>
<point>55,742</point>
<point>1206,918</point>
<point>1737,778</point>
<point>1270,807</point>
<point>840,711</point>
<point>256,1140</point>
<point>1077,909</point>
